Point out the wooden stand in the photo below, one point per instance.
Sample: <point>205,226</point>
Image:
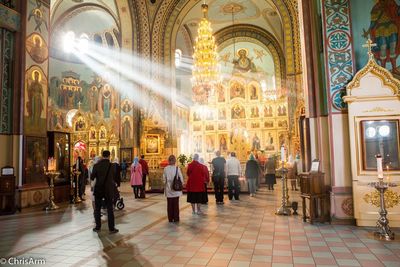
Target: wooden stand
<point>7,195</point>
<point>312,187</point>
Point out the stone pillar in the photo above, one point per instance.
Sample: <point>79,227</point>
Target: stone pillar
<point>340,68</point>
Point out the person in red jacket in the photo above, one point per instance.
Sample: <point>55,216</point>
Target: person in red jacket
<point>197,176</point>
<point>145,172</point>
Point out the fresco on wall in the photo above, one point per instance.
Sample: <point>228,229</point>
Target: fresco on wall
<point>69,91</point>
<point>382,25</point>
<point>36,66</point>
<point>35,101</point>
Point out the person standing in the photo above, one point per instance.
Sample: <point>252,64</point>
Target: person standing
<point>218,165</point>
<point>170,172</point>
<point>197,176</point>
<point>145,172</point>
<point>251,173</point>
<point>124,167</point>
<point>206,181</point>
<point>270,178</point>
<point>136,177</point>
<point>233,171</point>
<point>104,188</point>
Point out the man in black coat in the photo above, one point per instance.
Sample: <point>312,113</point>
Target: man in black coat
<point>104,173</point>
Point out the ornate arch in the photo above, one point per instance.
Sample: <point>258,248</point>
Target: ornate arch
<point>258,36</point>
<point>171,12</point>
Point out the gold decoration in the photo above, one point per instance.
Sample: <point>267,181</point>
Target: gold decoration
<point>378,109</point>
<point>392,199</point>
<point>205,72</point>
<point>372,67</point>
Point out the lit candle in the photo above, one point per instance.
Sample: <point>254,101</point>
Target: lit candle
<point>282,153</point>
<point>379,166</point>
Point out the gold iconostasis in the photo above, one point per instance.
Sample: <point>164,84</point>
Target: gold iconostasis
<point>238,118</point>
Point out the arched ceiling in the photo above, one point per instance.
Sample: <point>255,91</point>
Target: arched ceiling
<point>58,8</point>
<point>263,14</point>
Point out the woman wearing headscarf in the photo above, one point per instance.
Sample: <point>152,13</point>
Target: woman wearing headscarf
<point>270,178</point>
<point>170,171</point>
<point>251,174</point>
<point>206,181</point>
<point>136,176</point>
<point>197,176</point>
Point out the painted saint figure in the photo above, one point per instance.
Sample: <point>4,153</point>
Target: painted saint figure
<point>243,63</point>
<point>256,143</point>
<point>126,129</point>
<point>35,104</point>
<point>384,30</point>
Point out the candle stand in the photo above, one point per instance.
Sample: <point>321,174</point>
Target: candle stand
<point>74,193</point>
<point>285,206</point>
<point>382,225</point>
<point>51,175</point>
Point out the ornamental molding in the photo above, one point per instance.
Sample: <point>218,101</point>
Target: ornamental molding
<point>383,74</point>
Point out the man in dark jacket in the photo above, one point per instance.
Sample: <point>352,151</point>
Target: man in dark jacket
<point>104,173</point>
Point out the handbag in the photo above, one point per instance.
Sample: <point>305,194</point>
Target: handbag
<point>177,183</point>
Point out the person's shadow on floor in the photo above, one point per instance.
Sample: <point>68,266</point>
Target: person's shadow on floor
<point>118,252</point>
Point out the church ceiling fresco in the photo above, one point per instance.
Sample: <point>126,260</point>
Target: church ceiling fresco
<point>260,13</point>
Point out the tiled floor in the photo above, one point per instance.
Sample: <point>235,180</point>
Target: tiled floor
<point>240,233</point>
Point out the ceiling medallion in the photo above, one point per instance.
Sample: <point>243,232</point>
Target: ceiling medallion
<point>232,8</point>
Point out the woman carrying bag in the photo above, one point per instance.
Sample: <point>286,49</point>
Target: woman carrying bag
<point>172,189</point>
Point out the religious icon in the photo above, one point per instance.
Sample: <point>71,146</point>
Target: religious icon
<point>253,90</point>
<point>106,101</point>
<point>35,148</point>
<point>269,142</point>
<point>126,107</point>
<point>238,112</point>
<point>196,116</point>
<point>243,63</point>
<point>126,154</point>
<point>254,112</point>
<point>256,144</point>
<point>282,110</point>
<point>37,14</point>
<point>92,153</point>
<point>93,96</point>
<point>384,31</point>
<point>102,132</point>
<point>268,111</point>
<point>152,144</point>
<point>282,124</point>
<point>197,143</point>
<point>92,134</point>
<point>210,143</point>
<point>37,48</point>
<point>221,93</point>
<point>255,125</point>
<point>282,139</point>
<point>36,100</point>
<point>80,124</point>
<point>237,89</point>
<point>126,129</point>
<point>223,144</point>
<point>269,124</point>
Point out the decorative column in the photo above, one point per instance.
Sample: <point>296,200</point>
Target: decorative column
<point>339,68</point>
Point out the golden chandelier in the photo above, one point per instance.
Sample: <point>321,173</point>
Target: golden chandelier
<point>205,72</point>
